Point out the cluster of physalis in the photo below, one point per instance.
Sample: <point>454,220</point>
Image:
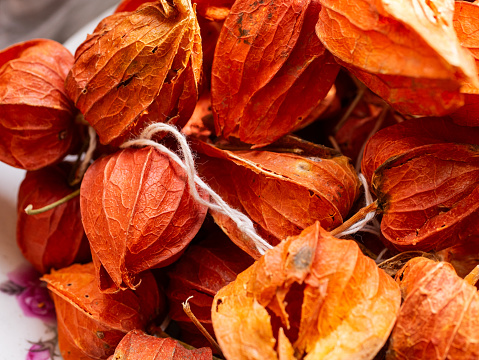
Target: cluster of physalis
<point>244,249</point>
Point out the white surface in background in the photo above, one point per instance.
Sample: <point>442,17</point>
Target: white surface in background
<point>16,330</point>
<point>22,20</point>
<point>73,42</point>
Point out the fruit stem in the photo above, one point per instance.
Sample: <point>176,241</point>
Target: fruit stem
<point>29,210</point>
<point>272,149</point>
<point>350,109</point>
<point>361,214</point>
<point>187,310</point>
<point>473,276</point>
<point>80,119</point>
<point>392,265</point>
<point>333,142</point>
<point>82,167</point>
<point>377,126</point>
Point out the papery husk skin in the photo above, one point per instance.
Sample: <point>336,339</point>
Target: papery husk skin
<point>55,238</point>
<point>463,256</point>
<point>201,272</point>
<point>199,124</point>
<point>269,71</point>
<point>215,10</point>
<point>136,345</point>
<point>282,193</point>
<point>439,317</point>
<point>138,67</point>
<point>138,214</point>
<point>36,115</point>
<point>466,20</point>
<point>410,96</point>
<point>405,51</point>
<point>328,106</point>
<point>429,196</point>
<point>210,32</point>
<point>399,138</point>
<point>91,323</point>
<point>467,114</point>
<point>129,5</point>
<point>314,296</point>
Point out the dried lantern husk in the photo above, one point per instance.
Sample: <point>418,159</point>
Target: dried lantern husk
<point>424,173</point>
<point>216,10</point>
<point>200,125</point>
<point>55,238</point>
<point>36,115</point>
<point>136,345</point>
<point>397,139</point>
<point>463,256</point>
<point>138,213</point>
<point>439,315</point>
<point>429,196</point>
<point>210,32</point>
<point>467,114</point>
<point>138,67</point>
<point>91,323</point>
<point>466,26</point>
<point>269,71</point>
<point>282,192</point>
<point>200,273</point>
<point>311,297</point>
<point>406,52</point>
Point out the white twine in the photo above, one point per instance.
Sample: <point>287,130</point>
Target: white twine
<point>164,324</point>
<point>362,225</point>
<point>379,259</point>
<point>188,165</point>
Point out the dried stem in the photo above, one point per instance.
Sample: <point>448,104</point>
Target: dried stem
<point>392,265</point>
<point>333,142</point>
<point>187,310</point>
<point>272,149</point>
<point>350,109</point>
<point>361,214</point>
<point>377,126</point>
<point>80,119</point>
<point>30,211</point>
<point>473,276</point>
<point>88,156</point>
<point>72,175</point>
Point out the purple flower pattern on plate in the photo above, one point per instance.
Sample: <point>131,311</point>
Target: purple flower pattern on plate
<point>32,296</point>
<point>38,352</point>
<point>44,350</point>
